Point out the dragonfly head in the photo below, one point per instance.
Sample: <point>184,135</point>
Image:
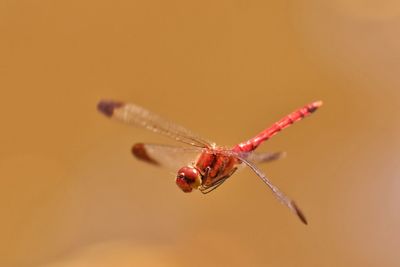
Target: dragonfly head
<point>188,178</point>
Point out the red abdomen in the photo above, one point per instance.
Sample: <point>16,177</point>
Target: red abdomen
<point>286,121</point>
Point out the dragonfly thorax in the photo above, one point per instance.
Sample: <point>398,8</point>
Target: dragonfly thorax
<point>188,178</point>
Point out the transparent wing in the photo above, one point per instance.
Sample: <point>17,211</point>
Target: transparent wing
<point>138,116</point>
<point>170,157</point>
<point>275,190</point>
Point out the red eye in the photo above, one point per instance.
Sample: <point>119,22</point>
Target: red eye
<point>183,184</point>
<point>188,178</point>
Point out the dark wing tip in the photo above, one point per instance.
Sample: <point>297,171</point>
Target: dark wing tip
<point>139,151</point>
<point>314,106</point>
<point>278,155</point>
<point>107,107</point>
<point>299,213</point>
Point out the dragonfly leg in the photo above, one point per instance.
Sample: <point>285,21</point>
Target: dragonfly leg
<point>207,189</point>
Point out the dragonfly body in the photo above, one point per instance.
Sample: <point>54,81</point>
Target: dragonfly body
<point>212,165</point>
<point>213,168</point>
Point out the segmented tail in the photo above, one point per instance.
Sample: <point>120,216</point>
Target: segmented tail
<point>288,120</point>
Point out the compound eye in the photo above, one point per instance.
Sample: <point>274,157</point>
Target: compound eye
<point>188,178</point>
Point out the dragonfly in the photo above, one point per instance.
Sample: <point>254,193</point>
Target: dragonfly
<point>202,164</point>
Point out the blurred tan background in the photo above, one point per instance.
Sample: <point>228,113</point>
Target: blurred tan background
<point>72,195</point>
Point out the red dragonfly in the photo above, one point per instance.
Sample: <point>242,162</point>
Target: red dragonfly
<point>205,165</point>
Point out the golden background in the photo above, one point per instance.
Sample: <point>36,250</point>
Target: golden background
<point>72,195</point>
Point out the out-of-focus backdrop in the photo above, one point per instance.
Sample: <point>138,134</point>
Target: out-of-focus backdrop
<point>71,194</point>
